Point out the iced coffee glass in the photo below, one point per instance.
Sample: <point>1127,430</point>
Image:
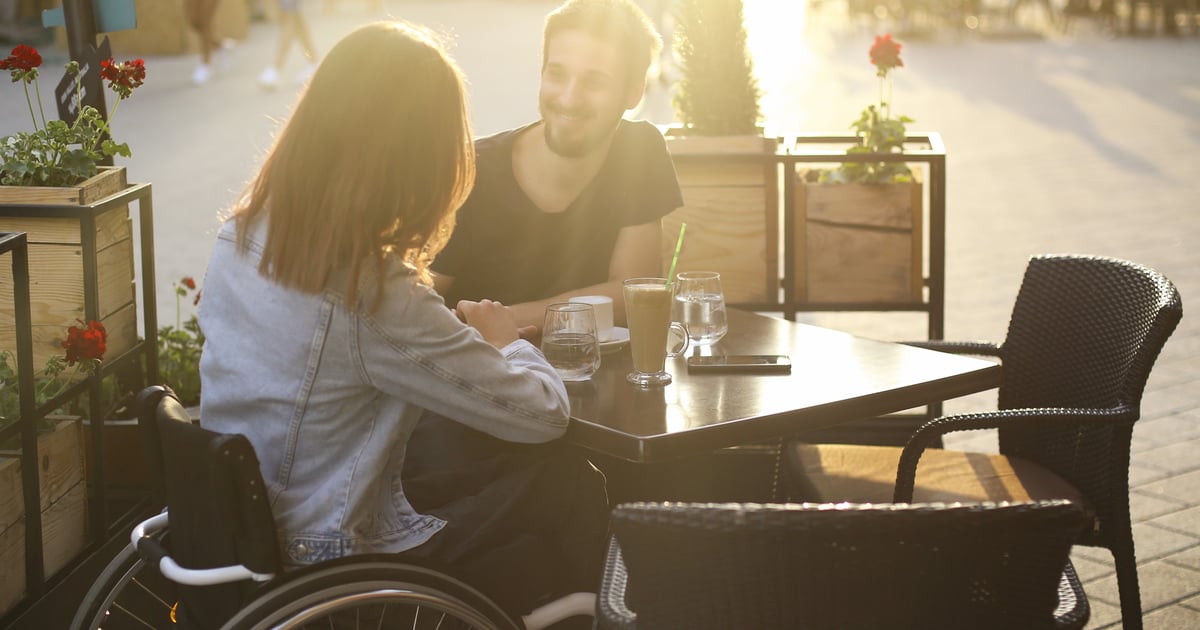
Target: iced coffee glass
<point>648,315</point>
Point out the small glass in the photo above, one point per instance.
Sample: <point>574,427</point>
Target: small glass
<point>569,340</point>
<point>648,315</point>
<point>700,306</point>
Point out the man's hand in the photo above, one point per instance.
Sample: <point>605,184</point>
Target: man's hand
<point>493,320</point>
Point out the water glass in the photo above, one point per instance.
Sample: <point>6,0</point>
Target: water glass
<point>700,306</point>
<point>570,342</point>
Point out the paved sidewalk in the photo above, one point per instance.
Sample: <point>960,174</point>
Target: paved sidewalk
<point>1083,144</point>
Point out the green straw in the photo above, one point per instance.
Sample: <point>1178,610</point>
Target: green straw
<point>675,258</point>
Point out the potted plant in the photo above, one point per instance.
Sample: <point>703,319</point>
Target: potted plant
<point>179,347</point>
<point>85,346</point>
<point>858,231</point>
<point>717,93</point>
<point>729,201</point>
<point>60,448</point>
<point>59,163</point>
<point>55,153</point>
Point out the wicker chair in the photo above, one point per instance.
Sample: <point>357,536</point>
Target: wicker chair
<point>697,566</point>
<point>1083,336</point>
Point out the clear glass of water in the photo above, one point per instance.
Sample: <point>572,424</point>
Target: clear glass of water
<point>569,340</point>
<point>700,306</point>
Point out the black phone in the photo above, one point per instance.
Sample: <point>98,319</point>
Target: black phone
<point>742,363</point>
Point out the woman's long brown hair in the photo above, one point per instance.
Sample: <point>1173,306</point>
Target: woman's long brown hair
<point>373,163</point>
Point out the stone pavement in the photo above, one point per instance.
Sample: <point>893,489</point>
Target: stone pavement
<point>1079,143</point>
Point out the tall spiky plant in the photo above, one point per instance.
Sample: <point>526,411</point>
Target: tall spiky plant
<point>717,93</point>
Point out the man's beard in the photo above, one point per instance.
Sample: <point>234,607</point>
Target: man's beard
<point>567,145</point>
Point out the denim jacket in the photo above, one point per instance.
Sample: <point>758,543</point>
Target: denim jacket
<point>329,396</point>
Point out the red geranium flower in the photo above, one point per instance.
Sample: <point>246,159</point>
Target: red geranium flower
<point>86,343</point>
<point>125,77</point>
<point>62,155</point>
<point>885,54</point>
<point>22,63</point>
<point>189,282</point>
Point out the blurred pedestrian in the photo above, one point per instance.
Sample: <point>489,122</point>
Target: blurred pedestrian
<point>200,17</point>
<point>373,6</point>
<point>292,27</point>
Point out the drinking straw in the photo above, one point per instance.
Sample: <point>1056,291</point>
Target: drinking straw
<point>675,258</point>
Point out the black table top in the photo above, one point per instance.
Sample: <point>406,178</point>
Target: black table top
<point>835,378</point>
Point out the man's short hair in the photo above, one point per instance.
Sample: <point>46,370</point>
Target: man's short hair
<point>618,21</point>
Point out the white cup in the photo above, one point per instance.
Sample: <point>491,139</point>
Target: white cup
<point>603,307</point>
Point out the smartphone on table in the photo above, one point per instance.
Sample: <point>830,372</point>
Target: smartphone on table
<point>741,364</point>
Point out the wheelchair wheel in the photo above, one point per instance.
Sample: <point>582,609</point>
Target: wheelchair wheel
<point>127,594</point>
<point>367,593</point>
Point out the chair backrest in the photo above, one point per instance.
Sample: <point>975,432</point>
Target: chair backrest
<point>844,566</point>
<point>218,511</point>
<point>1085,332</point>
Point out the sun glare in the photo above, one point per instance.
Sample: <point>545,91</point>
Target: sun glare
<point>775,35</point>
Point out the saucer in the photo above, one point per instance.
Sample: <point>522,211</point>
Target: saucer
<point>620,337</point>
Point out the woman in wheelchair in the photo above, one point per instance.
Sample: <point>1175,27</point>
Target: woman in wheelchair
<point>325,341</point>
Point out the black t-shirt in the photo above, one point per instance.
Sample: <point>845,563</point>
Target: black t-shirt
<point>505,248</point>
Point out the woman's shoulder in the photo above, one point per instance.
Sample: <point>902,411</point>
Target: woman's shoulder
<point>250,232</point>
<point>404,288</point>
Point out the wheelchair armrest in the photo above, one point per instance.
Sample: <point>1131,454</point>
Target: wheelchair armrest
<point>572,605</point>
<point>148,547</point>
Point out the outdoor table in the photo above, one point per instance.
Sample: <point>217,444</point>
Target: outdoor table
<point>835,378</point>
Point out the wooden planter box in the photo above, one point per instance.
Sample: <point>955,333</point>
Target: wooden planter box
<point>63,508</point>
<point>56,259</point>
<point>731,210</point>
<point>858,243</point>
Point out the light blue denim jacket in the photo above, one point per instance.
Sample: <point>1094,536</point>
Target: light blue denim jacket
<point>329,397</point>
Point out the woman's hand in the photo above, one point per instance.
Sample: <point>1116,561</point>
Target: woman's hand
<point>493,320</point>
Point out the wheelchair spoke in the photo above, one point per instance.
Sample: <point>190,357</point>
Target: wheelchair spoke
<point>150,592</point>
<point>133,616</point>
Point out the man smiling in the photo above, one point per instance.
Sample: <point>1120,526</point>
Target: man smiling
<point>567,205</point>
<point>570,204</point>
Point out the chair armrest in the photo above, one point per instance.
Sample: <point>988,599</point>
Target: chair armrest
<point>931,431</point>
<point>980,348</point>
<point>611,611</point>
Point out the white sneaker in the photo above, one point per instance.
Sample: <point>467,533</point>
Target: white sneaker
<point>269,79</point>
<point>305,74</point>
<point>201,74</point>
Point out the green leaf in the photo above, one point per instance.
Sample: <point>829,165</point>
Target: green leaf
<point>111,148</point>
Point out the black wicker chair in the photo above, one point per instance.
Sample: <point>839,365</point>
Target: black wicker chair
<point>698,566</point>
<point>1083,336</point>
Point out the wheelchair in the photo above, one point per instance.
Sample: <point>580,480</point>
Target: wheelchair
<point>211,558</point>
